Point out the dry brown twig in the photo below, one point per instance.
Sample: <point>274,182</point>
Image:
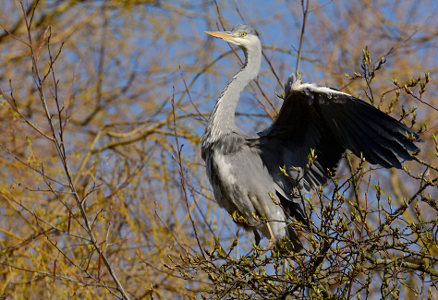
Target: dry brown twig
<point>56,136</point>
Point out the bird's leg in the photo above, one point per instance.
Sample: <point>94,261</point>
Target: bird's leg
<point>272,239</point>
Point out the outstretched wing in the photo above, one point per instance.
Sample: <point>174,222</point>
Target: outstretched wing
<point>329,122</point>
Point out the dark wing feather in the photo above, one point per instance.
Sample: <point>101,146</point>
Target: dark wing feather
<point>362,128</point>
<point>329,122</point>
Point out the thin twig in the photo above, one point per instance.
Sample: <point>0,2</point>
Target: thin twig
<point>303,27</point>
<point>182,177</point>
<point>60,147</point>
<point>190,97</point>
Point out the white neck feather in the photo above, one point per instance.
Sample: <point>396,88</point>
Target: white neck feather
<point>222,119</point>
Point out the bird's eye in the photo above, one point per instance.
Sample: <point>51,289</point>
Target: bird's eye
<point>242,34</point>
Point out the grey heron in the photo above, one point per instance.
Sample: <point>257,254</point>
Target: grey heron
<point>245,171</point>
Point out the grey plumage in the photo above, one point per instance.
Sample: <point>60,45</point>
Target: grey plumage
<point>245,170</point>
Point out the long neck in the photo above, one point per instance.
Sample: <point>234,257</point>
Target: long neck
<point>222,119</point>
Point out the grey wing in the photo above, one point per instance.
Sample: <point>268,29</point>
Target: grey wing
<point>329,122</point>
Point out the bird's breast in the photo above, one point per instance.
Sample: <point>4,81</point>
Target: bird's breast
<point>223,166</point>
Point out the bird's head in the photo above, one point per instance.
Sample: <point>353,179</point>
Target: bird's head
<point>241,35</point>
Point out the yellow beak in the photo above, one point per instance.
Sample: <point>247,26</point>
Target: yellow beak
<point>222,35</point>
